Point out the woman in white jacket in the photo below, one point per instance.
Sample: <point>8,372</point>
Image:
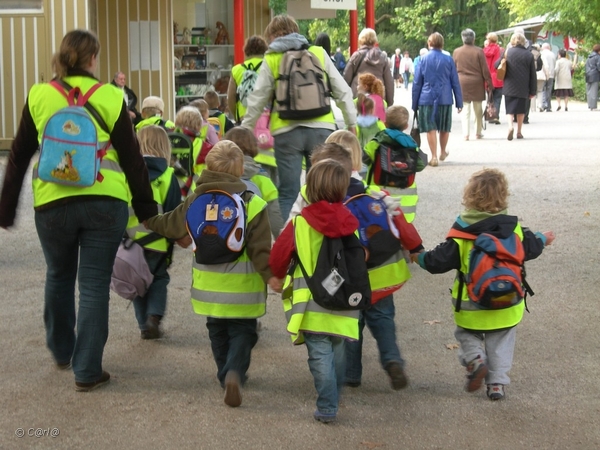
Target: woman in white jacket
<point>563,82</point>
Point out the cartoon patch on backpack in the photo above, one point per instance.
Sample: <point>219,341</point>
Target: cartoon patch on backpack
<point>70,153</point>
<point>216,221</point>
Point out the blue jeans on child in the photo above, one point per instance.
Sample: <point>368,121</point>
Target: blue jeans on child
<point>326,360</point>
<point>79,241</point>
<point>232,341</point>
<point>290,149</point>
<point>380,320</point>
<point>154,303</point>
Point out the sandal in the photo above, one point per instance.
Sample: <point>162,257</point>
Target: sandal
<point>444,155</point>
<point>433,162</point>
<point>479,136</point>
<point>466,138</point>
<point>510,134</point>
<point>519,136</point>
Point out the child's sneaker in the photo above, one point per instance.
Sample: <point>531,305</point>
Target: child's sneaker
<point>322,417</point>
<point>477,370</point>
<point>495,391</point>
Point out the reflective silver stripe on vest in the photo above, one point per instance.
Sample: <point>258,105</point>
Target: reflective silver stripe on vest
<point>104,164</point>
<point>140,228</point>
<point>409,209</point>
<point>312,306</point>
<point>470,306</point>
<point>228,298</point>
<point>401,192</point>
<point>237,267</point>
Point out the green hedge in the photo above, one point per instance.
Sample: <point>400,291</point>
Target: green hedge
<point>579,82</point>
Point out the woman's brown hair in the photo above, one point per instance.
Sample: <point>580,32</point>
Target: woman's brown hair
<point>280,25</point>
<point>486,191</point>
<point>76,51</point>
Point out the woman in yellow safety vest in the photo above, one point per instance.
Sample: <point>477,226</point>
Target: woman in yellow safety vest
<point>79,227</point>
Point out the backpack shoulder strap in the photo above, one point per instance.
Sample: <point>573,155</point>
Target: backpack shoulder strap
<point>454,233</point>
<point>149,238</point>
<point>81,100</point>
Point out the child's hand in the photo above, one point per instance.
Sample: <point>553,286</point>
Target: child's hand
<point>276,284</point>
<point>550,236</point>
<point>414,257</point>
<point>184,242</point>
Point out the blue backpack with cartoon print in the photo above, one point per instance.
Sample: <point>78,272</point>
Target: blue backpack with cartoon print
<point>376,231</point>
<point>70,153</point>
<point>216,221</point>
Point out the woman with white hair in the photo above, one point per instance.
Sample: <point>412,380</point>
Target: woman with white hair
<point>370,59</point>
<point>520,82</point>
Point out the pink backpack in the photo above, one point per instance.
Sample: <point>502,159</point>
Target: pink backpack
<point>262,131</point>
<point>379,110</point>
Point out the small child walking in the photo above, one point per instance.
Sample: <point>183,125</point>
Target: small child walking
<point>150,309</point>
<point>323,331</point>
<point>231,295</point>
<point>486,336</point>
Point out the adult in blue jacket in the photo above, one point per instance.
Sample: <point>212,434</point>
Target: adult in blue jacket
<point>433,86</point>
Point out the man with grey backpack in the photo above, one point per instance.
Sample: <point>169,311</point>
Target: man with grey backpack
<point>300,118</point>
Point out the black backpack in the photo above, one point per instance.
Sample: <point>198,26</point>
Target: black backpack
<point>340,281</point>
<point>394,166</point>
<point>302,90</point>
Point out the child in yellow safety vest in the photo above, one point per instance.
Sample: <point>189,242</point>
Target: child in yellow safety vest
<point>324,331</point>
<point>231,295</point>
<point>486,336</point>
<point>150,309</point>
<point>385,280</point>
<point>257,179</point>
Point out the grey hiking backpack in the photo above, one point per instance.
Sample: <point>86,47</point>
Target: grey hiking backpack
<point>302,90</point>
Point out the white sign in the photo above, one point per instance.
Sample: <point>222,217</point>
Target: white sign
<point>300,9</point>
<point>333,4</point>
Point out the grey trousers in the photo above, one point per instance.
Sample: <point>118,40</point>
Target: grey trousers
<point>496,348</point>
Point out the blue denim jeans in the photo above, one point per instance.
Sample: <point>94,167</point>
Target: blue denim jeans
<point>290,149</point>
<point>154,303</point>
<point>79,241</point>
<point>406,79</point>
<point>326,360</point>
<point>232,341</point>
<point>380,320</point>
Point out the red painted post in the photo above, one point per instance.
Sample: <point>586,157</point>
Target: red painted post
<point>353,31</point>
<point>238,31</point>
<point>370,13</point>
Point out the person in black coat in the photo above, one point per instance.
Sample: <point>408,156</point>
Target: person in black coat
<point>128,95</point>
<point>520,82</point>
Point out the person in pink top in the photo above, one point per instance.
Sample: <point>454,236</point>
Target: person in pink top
<point>492,53</point>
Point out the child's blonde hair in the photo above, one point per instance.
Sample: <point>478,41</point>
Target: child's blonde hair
<point>154,142</point>
<point>226,157</point>
<point>396,118</point>
<point>350,142</point>
<point>370,84</point>
<point>327,180</point>
<point>190,118</point>
<point>486,191</point>
<point>201,106</point>
<point>244,139</point>
<point>332,150</point>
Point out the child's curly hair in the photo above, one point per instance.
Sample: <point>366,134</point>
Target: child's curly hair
<point>370,84</point>
<point>486,191</point>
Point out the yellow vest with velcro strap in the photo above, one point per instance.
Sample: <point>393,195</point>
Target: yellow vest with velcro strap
<point>274,61</point>
<point>230,290</point>
<point>470,317</point>
<point>44,100</point>
<point>266,157</point>
<point>135,230</point>
<point>408,199</point>
<point>155,120</point>
<point>303,314</point>
<point>266,186</point>
<point>237,72</point>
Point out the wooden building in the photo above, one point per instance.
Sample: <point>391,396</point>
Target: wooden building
<point>136,36</point>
